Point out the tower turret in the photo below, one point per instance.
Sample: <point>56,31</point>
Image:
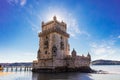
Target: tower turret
<point>89,56</point>
<point>73,53</point>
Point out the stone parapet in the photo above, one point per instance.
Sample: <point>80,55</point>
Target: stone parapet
<point>46,32</point>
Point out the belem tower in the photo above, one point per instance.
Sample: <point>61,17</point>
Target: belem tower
<point>54,50</point>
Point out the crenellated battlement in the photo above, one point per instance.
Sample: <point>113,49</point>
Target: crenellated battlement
<point>51,30</point>
<point>54,23</point>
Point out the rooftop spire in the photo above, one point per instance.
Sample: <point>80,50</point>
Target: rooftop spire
<point>54,18</point>
<point>42,22</point>
<point>74,50</point>
<point>88,54</point>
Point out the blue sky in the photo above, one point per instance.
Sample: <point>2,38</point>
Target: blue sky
<point>93,26</point>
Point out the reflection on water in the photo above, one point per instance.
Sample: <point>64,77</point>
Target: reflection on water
<point>61,76</point>
<point>114,74</point>
<point>4,73</point>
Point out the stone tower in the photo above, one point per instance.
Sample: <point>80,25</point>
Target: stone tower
<point>53,53</point>
<point>53,42</point>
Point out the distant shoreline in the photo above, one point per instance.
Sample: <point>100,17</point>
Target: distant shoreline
<point>17,64</point>
<point>105,62</point>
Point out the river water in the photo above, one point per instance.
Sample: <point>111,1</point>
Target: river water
<point>113,73</point>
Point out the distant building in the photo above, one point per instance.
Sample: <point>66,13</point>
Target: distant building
<point>53,53</point>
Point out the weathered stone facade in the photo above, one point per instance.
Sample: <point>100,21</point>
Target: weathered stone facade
<point>53,52</point>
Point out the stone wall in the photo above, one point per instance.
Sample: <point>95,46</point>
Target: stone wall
<point>71,62</point>
<point>78,61</point>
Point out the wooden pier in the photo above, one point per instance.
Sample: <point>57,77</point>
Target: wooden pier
<point>17,68</point>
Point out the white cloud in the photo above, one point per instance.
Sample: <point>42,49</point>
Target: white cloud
<point>105,50</point>
<point>17,2</point>
<point>34,26</point>
<point>119,36</point>
<point>11,2</point>
<point>22,2</point>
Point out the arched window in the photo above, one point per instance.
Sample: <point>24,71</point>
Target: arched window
<point>54,50</point>
<point>46,38</point>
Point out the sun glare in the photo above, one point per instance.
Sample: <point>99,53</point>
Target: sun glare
<point>54,12</point>
<point>64,15</point>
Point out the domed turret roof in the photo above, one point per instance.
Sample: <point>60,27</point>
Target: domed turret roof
<point>73,52</point>
<point>88,54</point>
